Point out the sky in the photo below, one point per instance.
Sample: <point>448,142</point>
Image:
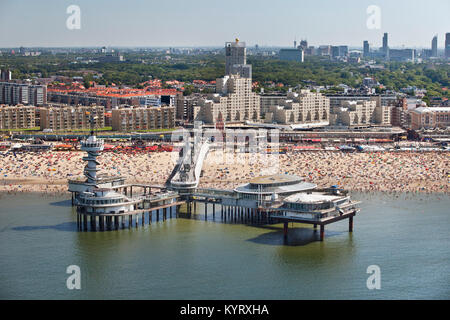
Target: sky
<point>188,23</point>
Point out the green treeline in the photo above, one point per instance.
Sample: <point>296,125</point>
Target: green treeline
<point>140,67</point>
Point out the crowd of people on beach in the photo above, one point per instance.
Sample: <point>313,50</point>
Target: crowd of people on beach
<point>48,172</point>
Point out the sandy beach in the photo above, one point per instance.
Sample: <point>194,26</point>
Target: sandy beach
<point>384,171</point>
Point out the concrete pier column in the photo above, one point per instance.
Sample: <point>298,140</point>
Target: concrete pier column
<point>285,229</point>
<point>157,215</point>
<point>137,220</point>
<point>350,224</point>
<point>195,206</point>
<point>101,222</point>
<point>315,227</point>
<point>214,211</point>
<point>322,232</point>
<point>150,217</point>
<point>143,218</point>
<point>164,214</point>
<point>130,221</point>
<point>116,222</point>
<point>206,211</point>
<point>85,222</point>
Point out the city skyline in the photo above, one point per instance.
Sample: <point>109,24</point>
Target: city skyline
<point>178,24</point>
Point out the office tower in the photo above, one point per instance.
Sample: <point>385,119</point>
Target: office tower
<point>366,48</point>
<point>385,45</point>
<point>434,47</point>
<point>304,44</point>
<point>447,44</point>
<point>292,55</point>
<point>236,59</point>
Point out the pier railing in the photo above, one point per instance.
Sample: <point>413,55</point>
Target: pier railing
<point>216,192</point>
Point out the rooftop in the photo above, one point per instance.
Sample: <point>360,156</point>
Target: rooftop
<point>314,197</point>
<point>277,178</point>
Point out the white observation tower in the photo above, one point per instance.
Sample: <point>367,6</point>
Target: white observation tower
<point>92,146</point>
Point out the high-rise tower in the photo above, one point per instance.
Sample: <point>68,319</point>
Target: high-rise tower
<point>447,44</point>
<point>236,59</point>
<point>434,52</point>
<point>385,45</point>
<point>366,48</point>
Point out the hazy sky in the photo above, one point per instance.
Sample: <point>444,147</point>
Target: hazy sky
<point>411,23</point>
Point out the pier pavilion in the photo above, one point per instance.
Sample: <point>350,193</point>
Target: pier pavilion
<point>111,204</point>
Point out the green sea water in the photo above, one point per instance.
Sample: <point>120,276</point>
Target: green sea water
<point>407,236</point>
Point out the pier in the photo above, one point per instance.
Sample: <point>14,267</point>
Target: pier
<point>106,203</point>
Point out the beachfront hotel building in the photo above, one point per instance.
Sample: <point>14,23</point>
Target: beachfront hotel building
<point>303,107</point>
<point>143,118</point>
<point>17,117</point>
<point>430,118</point>
<point>59,118</point>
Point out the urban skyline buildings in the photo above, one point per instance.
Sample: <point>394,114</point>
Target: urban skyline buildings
<point>447,44</point>
<point>434,46</point>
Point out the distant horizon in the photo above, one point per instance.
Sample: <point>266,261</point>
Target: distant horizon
<point>205,23</point>
<point>205,47</point>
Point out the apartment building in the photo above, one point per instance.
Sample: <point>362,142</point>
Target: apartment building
<point>270,99</point>
<point>143,118</point>
<point>60,118</point>
<point>18,93</point>
<point>17,117</point>
<point>361,113</point>
<point>304,107</point>
<point>187,106</point>
<point>233,101</point>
